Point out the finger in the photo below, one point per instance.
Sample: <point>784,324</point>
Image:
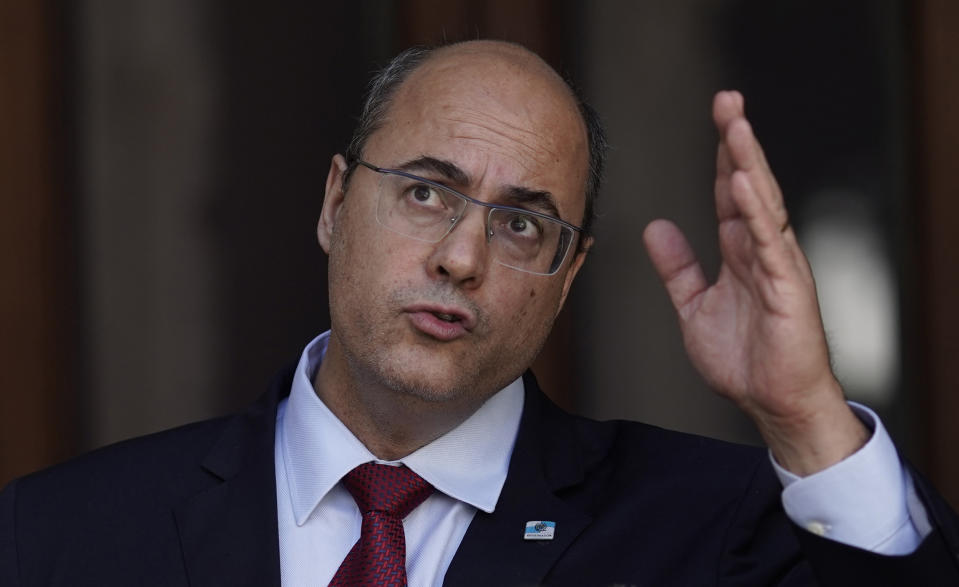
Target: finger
<point>726,106</point>
<point>740,149</point>
<point>797,255</point>
<point>746,154</point>
<point>772,246</point>
<point>725,206</point>
<point>675,263</point>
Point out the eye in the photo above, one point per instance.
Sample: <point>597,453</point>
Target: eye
<point>423,195</point>
<point>517,224</point>
<point>422,192</point>
<point>521,225</point>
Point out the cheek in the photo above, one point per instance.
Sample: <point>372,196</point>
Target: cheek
<point>365,269</point>
<point>367,263</point>
<point>357,246</point>
<point>354,259</point>
<point>533,311</point>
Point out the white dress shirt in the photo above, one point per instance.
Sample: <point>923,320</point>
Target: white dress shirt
<point>867,500</point>
<point>318,520</point>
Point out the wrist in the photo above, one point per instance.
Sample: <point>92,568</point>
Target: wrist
<point>815,438</point>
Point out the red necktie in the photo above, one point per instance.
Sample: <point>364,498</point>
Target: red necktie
<point>385,495</point>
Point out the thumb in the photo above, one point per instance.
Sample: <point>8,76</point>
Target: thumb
<point>675,262</point>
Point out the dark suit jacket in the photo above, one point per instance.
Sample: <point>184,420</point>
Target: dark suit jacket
<point>633,505</point>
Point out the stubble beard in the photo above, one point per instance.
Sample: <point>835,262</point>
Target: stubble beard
<point>376,345</point>
<point>393,359</point>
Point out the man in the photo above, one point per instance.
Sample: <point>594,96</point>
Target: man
<point>455,227</point>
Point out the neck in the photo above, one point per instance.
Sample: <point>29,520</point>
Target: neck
<point>390,423</point>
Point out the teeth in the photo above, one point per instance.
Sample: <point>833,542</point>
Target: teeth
<point>446,317</point>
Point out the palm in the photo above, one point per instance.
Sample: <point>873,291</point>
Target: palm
<point>754,330</point>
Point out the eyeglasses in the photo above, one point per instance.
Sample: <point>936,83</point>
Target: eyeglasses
<point>427,211</point>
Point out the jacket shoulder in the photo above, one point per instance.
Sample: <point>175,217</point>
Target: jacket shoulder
<point>134,475</point>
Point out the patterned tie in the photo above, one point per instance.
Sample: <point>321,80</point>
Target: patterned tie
<point>385,495</point>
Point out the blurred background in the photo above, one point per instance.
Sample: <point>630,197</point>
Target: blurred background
<point>162,168</point>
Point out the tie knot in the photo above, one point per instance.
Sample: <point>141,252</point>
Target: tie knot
<point>384,488</point>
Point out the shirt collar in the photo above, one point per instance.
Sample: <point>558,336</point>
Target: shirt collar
<point>468,463</point>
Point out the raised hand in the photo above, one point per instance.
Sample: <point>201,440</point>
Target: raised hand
<point>756,334</point>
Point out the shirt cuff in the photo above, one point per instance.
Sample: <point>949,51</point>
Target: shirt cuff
<point>867,500</point>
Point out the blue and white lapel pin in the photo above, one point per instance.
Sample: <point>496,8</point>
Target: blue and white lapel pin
<point>539,530</point>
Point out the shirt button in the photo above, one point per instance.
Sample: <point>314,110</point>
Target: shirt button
<point>817,528</point>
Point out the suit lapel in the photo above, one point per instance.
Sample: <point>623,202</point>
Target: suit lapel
<point>544,460</point>
<point>228,530</point>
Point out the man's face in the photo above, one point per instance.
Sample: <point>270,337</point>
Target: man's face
<point>501,121</point>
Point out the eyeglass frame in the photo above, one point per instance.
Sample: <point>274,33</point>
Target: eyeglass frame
<point>470,200</point>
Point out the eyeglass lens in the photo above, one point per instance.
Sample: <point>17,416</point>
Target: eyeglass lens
<point>428,213</point>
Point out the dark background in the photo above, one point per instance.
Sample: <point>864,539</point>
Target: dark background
<point>162,167</point>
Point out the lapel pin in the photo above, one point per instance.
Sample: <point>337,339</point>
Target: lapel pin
<point>539,530</point>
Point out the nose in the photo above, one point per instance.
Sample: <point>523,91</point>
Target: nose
<point>462,257</point>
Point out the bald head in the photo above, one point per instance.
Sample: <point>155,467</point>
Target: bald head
<point>499,57</point>
<point>499,70</point>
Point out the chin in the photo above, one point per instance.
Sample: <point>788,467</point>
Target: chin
<point>428,381</point>
<point>433,373</point>
<point>441,379</point>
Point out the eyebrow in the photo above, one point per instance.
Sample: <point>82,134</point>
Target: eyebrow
<point>542,200</point>
<point>447,169</point>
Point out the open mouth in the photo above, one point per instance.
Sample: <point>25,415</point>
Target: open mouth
<point>442,326</point>
<point>443,322</point>
<point>447,317</point>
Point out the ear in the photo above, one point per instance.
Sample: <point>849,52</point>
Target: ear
<point>332,201</point>
<point>574,267</point>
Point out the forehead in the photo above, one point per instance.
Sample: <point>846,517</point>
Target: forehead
<point>500,114</point>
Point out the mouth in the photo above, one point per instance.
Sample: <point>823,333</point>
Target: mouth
<point>445,323</point>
